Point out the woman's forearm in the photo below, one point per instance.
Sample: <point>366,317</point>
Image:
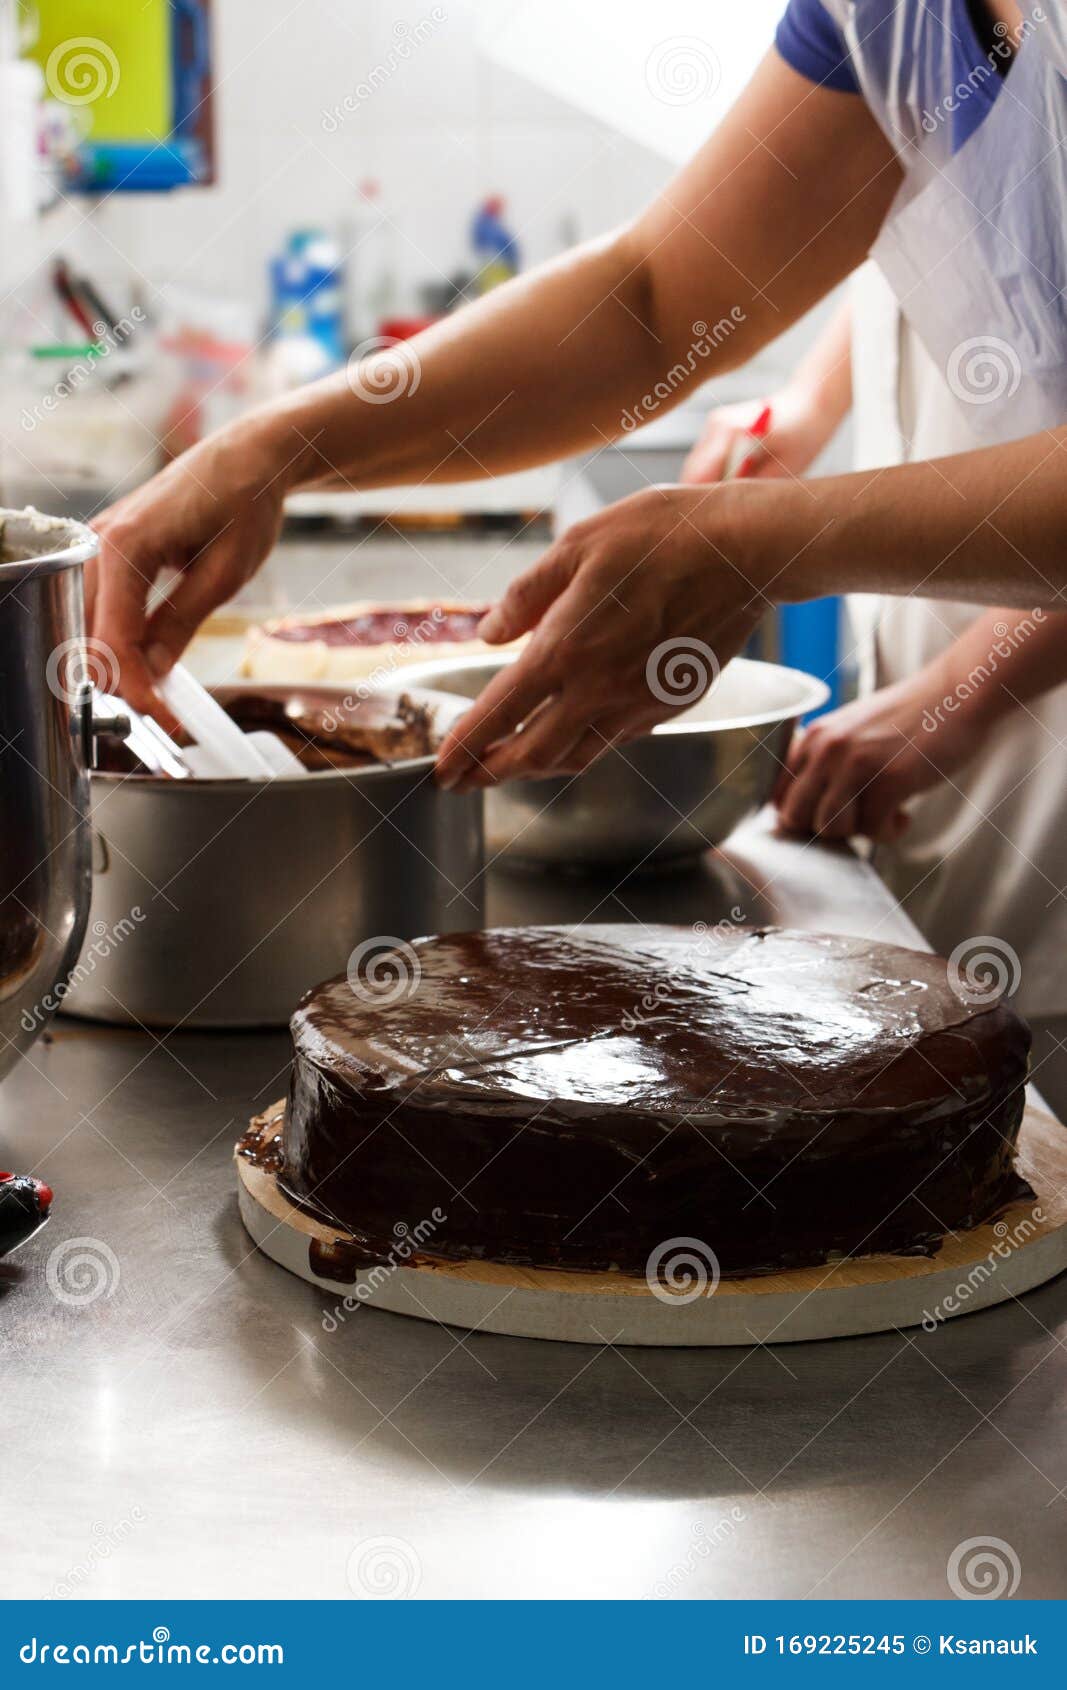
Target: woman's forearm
<point>1006,658</point>
<point>988,526</point>
<point>693,568</point>
<point>596,343</point>
<point>541,368</point>
<point>826,371</point>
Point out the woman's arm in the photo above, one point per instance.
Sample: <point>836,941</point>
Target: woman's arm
<point>780,204</point>
<point>679,566</point>
<point>987,525</point>
<point>558,361</point>
<point>854,769</point>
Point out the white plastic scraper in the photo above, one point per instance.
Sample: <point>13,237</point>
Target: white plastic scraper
<point>220,750</point>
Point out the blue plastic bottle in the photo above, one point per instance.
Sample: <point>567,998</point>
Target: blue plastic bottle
<point>496,250</point>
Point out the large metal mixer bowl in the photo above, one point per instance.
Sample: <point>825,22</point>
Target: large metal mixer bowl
<point>45,703</point>
<point>663,798</point>
<point>218,903</point>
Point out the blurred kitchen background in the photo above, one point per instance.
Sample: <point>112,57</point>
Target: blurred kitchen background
<point>203,202</point>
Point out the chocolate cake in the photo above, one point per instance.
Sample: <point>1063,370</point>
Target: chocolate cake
<point>576,1097</point>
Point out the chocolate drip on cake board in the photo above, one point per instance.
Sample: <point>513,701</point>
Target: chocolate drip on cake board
<point>972,1271</point>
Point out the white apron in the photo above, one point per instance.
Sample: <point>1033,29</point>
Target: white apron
<point>962,341</point>
<point>987,851</point>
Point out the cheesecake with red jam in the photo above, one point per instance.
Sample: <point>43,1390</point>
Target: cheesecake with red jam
<point>361,642</point>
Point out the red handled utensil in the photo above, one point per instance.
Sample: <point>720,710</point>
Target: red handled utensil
<point>25,1204</point>
<point>741,459</point>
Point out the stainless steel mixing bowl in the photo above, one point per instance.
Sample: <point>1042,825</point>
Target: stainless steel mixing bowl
<point>667,796</point>
<point>45,727</point>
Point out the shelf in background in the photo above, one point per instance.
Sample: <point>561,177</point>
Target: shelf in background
<point>498,495</point>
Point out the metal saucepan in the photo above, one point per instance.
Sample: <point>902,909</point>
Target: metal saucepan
<point>665,797</point>
<point>219,903</point>
<point>45,734</point>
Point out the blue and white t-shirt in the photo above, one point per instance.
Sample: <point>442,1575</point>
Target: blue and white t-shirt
<point>811,42</point>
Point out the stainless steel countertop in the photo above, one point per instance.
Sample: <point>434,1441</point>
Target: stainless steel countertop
<point>196,1432</point>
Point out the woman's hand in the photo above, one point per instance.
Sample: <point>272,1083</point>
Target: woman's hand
<point>799,428</point>
<point>211,517</point>
<point>633,613</point>
<point>853,770</point>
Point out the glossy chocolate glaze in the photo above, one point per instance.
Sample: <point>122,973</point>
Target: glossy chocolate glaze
<point>328,731</point>
<point>577,1097</point>
<point>436,624</point>
<point>332,1258</point>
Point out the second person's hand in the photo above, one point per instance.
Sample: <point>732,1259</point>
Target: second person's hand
<point>799,427</point>
<point>854,770</point>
